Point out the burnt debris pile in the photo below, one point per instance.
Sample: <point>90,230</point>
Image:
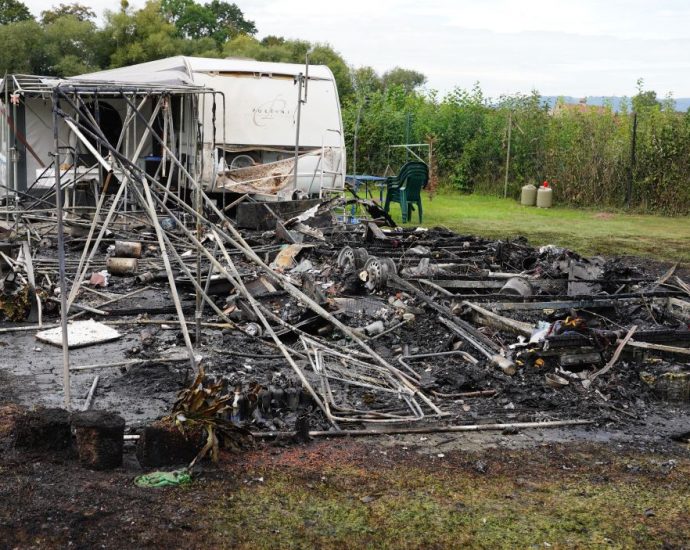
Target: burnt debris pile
<point>332,327</point>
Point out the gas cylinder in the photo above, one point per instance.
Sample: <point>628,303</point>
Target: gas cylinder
<point>122,266</point>
<point>127,249</point>
<point>545,196</point>
<point>529,195</point>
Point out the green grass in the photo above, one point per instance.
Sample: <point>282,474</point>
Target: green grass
<point>534,501</point>
<point>585,231</point>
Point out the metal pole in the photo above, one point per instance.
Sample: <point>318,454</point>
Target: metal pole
<point>127,131</point>
<point>181,134</point>
<point>197,207</point>
<point>200,142</point>
<point>61,258</point>
<point>6,151</point>
<point>198,301</point>
<point>224,142</point>
<point>150,207</point>
<point>510,127</point>
<point>15,160</point>
<point>97,116</point>
<point>300,79</point>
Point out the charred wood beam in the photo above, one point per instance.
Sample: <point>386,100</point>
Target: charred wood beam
<point>679,337</point>
<point>562,302</point>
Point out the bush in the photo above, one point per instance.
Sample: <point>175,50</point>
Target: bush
<point>584,152</point>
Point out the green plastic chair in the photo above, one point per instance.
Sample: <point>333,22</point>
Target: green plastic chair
<point>406,188</point>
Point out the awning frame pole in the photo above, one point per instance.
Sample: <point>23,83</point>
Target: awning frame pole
<point>61,257</point>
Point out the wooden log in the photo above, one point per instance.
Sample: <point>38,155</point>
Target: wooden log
<point>616,354</point>
<point>500,322</point>
<point>665,277</point>
<point>658,347</point>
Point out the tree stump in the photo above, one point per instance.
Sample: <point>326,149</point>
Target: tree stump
<point>100,439</point>
<point>43,430</point>
<point>163,444</point>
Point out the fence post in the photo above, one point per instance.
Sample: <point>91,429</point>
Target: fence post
<point>510,126</point>
<point>631,173</point>
<point>408,124</point>
<point>355,144</point>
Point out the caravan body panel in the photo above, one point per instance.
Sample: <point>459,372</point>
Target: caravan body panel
<point>255,107</point>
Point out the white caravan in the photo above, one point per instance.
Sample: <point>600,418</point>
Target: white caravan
<point>248,127</point>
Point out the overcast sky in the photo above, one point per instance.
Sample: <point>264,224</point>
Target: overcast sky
<point>586,47</point>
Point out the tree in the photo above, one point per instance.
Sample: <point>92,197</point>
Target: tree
<point>21,48</point>
<point>13,11</point>
<point>230,21</point>
<point>78,11</point>
<point>173,9</point>
<point>644,99</point>
<point>139,36</point>
<point>272,40</point>
<point>407,78</point>
<point>71,46</point>
<point>365,80</point>
<point>195,21</point>
<point>217,19</point>
<point>243,46</point>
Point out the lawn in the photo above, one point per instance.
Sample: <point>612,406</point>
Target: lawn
<point>588,231</point>
<point>346,495</point>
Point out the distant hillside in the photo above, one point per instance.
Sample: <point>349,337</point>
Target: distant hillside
<point>682,103</point>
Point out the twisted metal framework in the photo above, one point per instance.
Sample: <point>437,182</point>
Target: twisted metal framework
<point>203,228</point>
<point>330,365</point>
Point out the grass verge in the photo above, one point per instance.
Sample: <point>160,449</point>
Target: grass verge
<point>585,231</point>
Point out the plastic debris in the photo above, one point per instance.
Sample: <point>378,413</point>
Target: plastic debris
<point>163,479</point>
